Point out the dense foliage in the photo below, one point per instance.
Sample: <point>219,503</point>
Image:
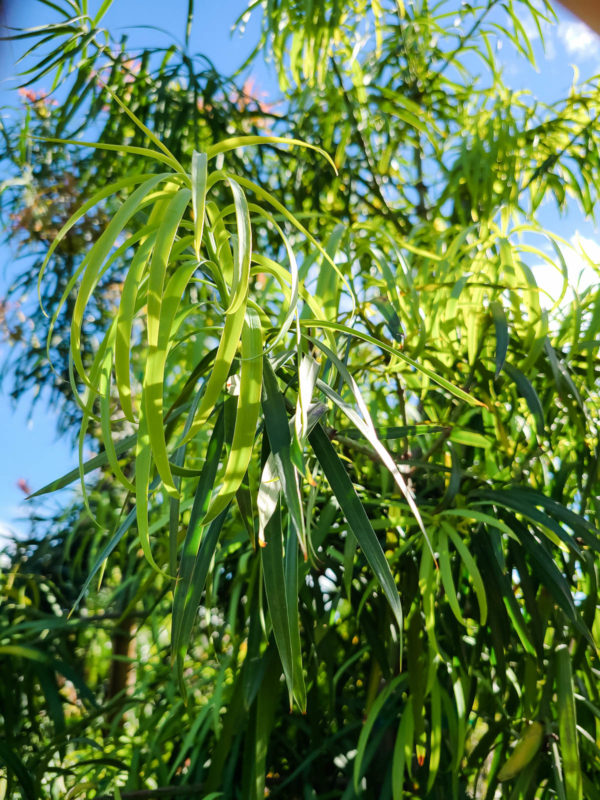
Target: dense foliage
<point>340,535</point>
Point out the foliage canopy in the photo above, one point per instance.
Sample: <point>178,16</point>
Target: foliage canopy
<point>340,536</point>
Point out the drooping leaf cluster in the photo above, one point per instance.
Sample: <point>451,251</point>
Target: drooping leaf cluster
<point>340,538</point>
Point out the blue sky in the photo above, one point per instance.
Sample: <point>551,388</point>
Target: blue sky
<point>31,451</point>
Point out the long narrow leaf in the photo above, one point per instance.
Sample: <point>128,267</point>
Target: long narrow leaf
<point>248,408</point>
<point>358,520</point>
<point>274,577</point>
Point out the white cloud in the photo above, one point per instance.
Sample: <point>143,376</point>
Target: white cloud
<point>531,30</point>
<point>579,40</point>
<point>582,257</point>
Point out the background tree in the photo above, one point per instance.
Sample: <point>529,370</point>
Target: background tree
<point>344,509</point>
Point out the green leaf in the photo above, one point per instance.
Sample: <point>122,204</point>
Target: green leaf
<point>143,472</point>
<point>198,546</point>
<point>102,11</point>
<point>243,248</point>
<point>153,138</point>
<point>261,726</point>
<point>526,503</point>
<point>248,408</point>
<point>382,698</point>
<point>228,345</point>
<point>18,768</point>
<point>125,319</point>
<point>291,592</point>
<point>471,569</point>
<point>89,466</point>
<point>546,570</point>
<point>365,424</point>
<point>435,734</point>
<point>247,141</point>
<point>199,177</point>
<point>104,554</point>
<point>144,152</point>
<point>567,724</point>
<point>446,574</point>
<point>526,390</point>
<point>403,751</point>
<point>93,264</point>
<point>162,306</point>
<point>275,587</point>
<point>278,431</point>
<point>357,518</point>
<point>439,379</point>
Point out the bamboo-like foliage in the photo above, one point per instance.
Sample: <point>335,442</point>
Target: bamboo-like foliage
<point>340,535</point>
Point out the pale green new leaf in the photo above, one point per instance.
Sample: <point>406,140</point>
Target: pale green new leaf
<point>248,408</point>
